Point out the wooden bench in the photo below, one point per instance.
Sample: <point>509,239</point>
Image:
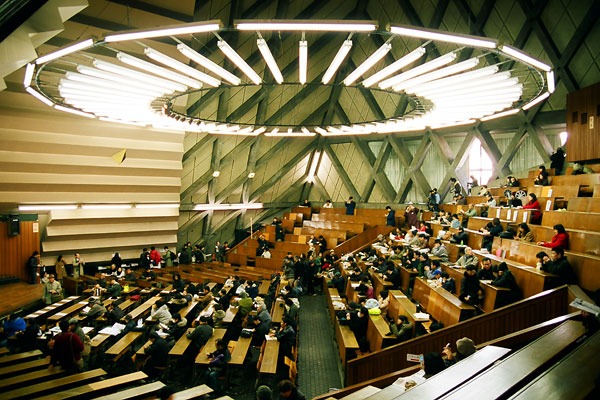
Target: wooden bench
<point>346,341</point>
<point>377,333</point>
<point>355,219</point>
<point>554,190</point>
<point>210,346</point>
<point>580,241</point>
<point>23,367</point>
<point>238,355</point>
<point>19,357</point>
<point>477,223</point>
<point>456,375</point>
<point>35,376</point>
<point>353,228</point>
<point>567,379</point>
<point>67,312</point>
<point>378,283</point>
<point>53,385</point>
<point>123,345</point>
<point>492,295</point>
<point>268,358</point>
<point>192,393</point>
<point>41,314</point>
<point>583,204</point>
<point>94,388</point>
<point>135,392</point>
<point>507,374</point>
<point>144,308</point>
<point>442,305</point>
<point>328,234</point>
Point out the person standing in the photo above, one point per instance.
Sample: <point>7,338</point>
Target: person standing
<point>350,206</point>
<point>78,265</point>
<point>411,215</point>
<point>60,269</point>
<point>154,256</point>
<point>219,252</point>
<point>52,290</point>
<point>455,189</point>
<point>390,217</point>
<point>169,256</point>
<point>32,265</point>
<point>67,349</point>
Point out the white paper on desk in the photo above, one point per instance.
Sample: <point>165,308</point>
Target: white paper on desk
<point>86,309</point>
<point>269,337</point>
<point>515,216</point>
<point>113,330</point>
<point>548,204</point>
<point>55,329</point>
<point>525,213</point>
<point>87,329</point>
<point>421,315</point>
<point>162,334</point>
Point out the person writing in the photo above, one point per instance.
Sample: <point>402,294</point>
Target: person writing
<point>560,238</point>
<point>534,205</point>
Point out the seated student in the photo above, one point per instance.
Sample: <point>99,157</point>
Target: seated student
<point>471,212</point>
<point>464,348</point>
<point>338,282</point>
<point>291,309</point>
<point>486,273</point>
<point>96,308</point>
<point>560,238</point>
<point>514,202</point>
<point>461,200</point>
<point>218,362</point>
<point>13,325</point>
<point>542,178</point>
<point>434,271</point>
<point>524,234</point>
<point>514,182</point>
<point>200,335</point>
<point>288,391</point>
<point>204,295</point>
<point>467,259</point>
<point>507,182</point>
<point>455,223</point>
<point>484,190</point>
<point>148,274</point>
<point>490,201</point>
<point>327,204</point>
<point>534,205</point>
<point>286,336</point>
<point>461,237</point>
<point>113,289</point>
<point>393,275</point>
<point>176,329</point>
<point>421,264</point>
<point>383,300</point>
<point>422,242</point>
<point>470,291</point>
<point>401,328</point>
<point>490,233</point>
<point>130,276</point>
<point>365,288</point>
<point>178,284</point>
<point>432,364</point>
<point>579,168</point>
<point>157,351</point>
<point>245,304</point>
<point>359,322</point>
<point>113,313</point>
<point>507,280</point>
<point>447,282</point>
<point>559,265</point>
<point>160,311</point>
<point>261,328</point>
<point>439,250</point>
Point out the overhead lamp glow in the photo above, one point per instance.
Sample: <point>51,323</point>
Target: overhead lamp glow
<point>226,207</point>
<point>139,76</point>
<point>440,73</point>
<point>160,71</point>
<point>28,75</point>
<point>239,61</point>
<point>443,37</point>
<point>313,167</point>
<point>337,61</point>
<point>174,30</point>
<point>306,25</point>
<point>251,175</point>
<point>121,79</point>
<point>39,96</point>
<point>64,51</point>
<point>463,77</point>
<point>181,67</point>
<point>158,205</point>
<point>106,206</point>
<point>502,114</point>
<point>551,83</point>
<point>421,69</point>
<point>525,58</point>
<point>74,111</point>
<point>81,81</point>
<point>208,64</point>
<point>263,47</point>
<point>394,67</point>
<point>537,100</point>
<point>47,207</point>
<point>216,174</point>
<point>368,64</point>
<point>302,61</point>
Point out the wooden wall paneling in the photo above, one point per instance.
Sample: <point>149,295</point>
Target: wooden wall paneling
<point>16,250</point>
<point>583,106</point>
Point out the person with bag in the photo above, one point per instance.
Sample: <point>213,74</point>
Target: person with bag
<point>52,291</point>
<point>66,350</point>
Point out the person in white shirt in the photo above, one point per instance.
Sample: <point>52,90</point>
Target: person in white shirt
<point>328,204</point>
<point>266,253</point>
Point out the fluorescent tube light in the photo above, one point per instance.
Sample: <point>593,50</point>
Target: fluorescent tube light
<point>47,207</point>
<point>139,76</point>
<point>306,25</point>
<point>155,69</point>
<point>443,37</point>
<point>368,64</point>
<point>120,121</point>
<point>225,207</point>
<point>174,30</point>
<point>181,67</point>
<point>421,69</point>
<point>74,111</point>
<point>28,75</point>
<point>536,101</point>
<point>263,47</point>
<point>440,73</point>
<point>106,206</point>
<point>39,96</point>
<point>395,66</point>
<point>208,64</point>
<point>84,80</point>
<point>464,77</point>
<point>502,114</point>
<point>158,205</point>
<point>551,83</point>
<point>65,50</point>
<point>525,58</point>
<point>302,61</point>
<point>98,73</point>
<point>239,61</point>
<point>337,61</point>
<point>259,130</point>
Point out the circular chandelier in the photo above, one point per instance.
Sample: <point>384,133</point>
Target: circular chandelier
<point>133,77</point>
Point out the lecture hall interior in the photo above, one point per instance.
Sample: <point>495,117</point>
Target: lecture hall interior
<point>299,199</point>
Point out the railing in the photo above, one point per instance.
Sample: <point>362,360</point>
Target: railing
<point>503,321</point>
<point>362,239</point>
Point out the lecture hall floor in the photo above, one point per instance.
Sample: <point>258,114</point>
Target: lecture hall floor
<point>20,295</point>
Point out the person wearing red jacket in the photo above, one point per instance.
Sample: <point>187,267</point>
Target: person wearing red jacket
<point>66,350</point>
<point>533,204</point>
<point>560,238</point>
<point>154,256</point>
